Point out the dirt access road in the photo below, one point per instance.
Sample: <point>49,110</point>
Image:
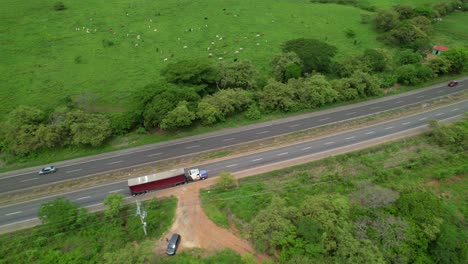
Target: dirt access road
<point>197,230</point>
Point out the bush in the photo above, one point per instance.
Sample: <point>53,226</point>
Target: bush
<point>386,20</point>
<point>253,113</point>
<point>59,6</point>
<point>226,181</point>
<point>315,54</point>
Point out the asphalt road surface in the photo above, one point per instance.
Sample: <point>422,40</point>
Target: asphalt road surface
<point>22,212</point>
<point>10,182</point>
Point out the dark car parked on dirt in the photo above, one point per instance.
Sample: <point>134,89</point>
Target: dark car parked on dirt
<point>173,243</point>
<point>47,170</point>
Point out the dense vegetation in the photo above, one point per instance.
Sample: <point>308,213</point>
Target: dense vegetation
<point>307,72</point>
<point>402,202</point>
<point>71,235</point>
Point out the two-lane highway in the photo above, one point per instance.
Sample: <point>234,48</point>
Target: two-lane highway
<point>28,210</point>
<point>12,182</point>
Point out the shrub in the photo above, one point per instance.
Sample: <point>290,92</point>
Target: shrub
<point>59,6</point>
<point>315,54</point>
<point>253,113</point>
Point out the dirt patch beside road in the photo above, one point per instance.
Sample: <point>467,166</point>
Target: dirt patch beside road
<point>197,230</point>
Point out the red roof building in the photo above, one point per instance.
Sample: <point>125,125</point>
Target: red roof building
<point>437,50</point>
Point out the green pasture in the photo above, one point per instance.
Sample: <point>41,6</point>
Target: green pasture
<point>390,3</point>
<point>48,55</point>
<point>452,31</point>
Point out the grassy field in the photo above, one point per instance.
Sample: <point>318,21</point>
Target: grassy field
<point>452,31</point>
<point>48,55</point>
<point>410,164</point>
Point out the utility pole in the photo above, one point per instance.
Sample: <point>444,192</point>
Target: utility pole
<point>142,214</point>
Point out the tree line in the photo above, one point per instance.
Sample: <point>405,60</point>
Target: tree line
<point>196,92</point>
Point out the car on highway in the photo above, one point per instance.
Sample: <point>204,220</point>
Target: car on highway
<point>47,170</point>
<point>453,83</point>
<point>173,243</point>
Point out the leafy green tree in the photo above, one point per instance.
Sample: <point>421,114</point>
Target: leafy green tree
<point>408,56</point>
<point>208,113</point>
<point>386,20</point>
<point>413,74</point>
<point>160,99</point>
<point>272,227</point>
<point>408,35</point>
<point>60,215</point>
<point>315,54</point>
<point>364,84</point>
<point>454,135</point>
<point>404,11</point>
<point>192,72</point>
<point>439,65</point>
<point>450,245</point>
<point>376,60</point>
<point>277,96</point>
<point>181,116</point>
<point>422,23</point>
<point>226,181</point>
<point>87,129</point>
<point>20,129</point>
<point>458,58</point>
<point>240,74</point>
<point>217,107</point>
<point>115,205</point>
<point>331,215</point>
<point>312,92</point>
<point>285,66</point>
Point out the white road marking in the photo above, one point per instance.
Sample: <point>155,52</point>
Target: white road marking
<point>405,123</point>
<point>453,110</point>
<point>281,154</point>
<point>323,119</point>
<point>115,162</point>
<point>29,179</point>
<point>228,139</point>
<point>439,114</point>
<point>154,154</point>
<point>352,113</point>
<point>295,125</point>
<point>116,191</point>
<point>441,91</point>
<point>19,212</point>
<point>257,159</point>
<point>368,133</point>
<point>73,171</point>
<point>306,148</point>
<point>328,143</point>
<point>421,96</point>
<point>82,198</point>
<point>232,165</point>
<point>424,118</point>
<point>195,146</point>
<point>375,107</point>
<point>388,127</point>
<point>397,102</point>
<point>349,138</point>
<point>263,132</point>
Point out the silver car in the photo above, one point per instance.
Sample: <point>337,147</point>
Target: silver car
<point>47,170</point>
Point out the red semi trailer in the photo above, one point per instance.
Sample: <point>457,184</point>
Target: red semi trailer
<point>165,179</point>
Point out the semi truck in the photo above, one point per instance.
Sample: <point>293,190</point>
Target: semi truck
<point>165,179</point>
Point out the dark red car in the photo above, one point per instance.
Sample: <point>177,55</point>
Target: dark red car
<point>453,83</point>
